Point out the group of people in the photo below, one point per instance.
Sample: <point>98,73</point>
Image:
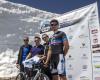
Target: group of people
<point>52,52</point>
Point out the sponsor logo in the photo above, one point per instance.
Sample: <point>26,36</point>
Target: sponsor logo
<point>94,31</point>
<point>97,66</point>
<point>70,77</point>
<point>93,14</point>
<point>96,46</point>
<point>84,56</point>
<point>96,56</point>
<point>95,40</point>
<point>83,45</point>
<point>70,67</point>
<point>84,78</point>
<point>97,78</point>
<point>92,19</point>
<point>70,29</point>
<point>95,61</point>
<point>70,57</point>
<point>82,36</point>
<point>95,36</point>
<point>96,51</point>
<point>84,67</point>
<point>96,72</point>
<point>45,26</point>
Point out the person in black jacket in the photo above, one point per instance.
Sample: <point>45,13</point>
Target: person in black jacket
<point>23,52</point>
<point>47,70</point>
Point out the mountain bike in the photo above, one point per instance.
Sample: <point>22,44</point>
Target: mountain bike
<point>36,73</point>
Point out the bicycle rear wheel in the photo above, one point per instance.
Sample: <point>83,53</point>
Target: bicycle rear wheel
<point>43,77</point>
<point>20,76</point>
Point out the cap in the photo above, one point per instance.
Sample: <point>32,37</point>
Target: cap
<point>26,38</point>
<point>44,35</point>
<point>37,35</point>
<point>54,20</point>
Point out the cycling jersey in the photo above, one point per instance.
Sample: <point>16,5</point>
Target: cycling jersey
<point>56,42</point>
<point>57,57</point>
<point>39,50</point>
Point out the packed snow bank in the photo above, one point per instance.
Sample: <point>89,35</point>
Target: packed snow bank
<point>8,63</point>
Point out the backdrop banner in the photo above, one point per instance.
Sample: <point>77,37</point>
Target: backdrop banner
<point>83,32</point>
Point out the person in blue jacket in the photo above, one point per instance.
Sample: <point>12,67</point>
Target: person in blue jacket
<point>23,52</point>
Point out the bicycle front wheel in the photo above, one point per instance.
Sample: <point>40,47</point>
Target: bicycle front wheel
<point>20,76</point>
<point>42,77</point>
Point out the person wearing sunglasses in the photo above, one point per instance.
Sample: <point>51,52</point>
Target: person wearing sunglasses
<point>37,49</point>
<point>35,55</point>
<point>23,52</point>
<point>47,69</point>
<point>58,48</point>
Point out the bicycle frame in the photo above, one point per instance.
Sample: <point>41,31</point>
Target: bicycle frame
<point>37,74</point>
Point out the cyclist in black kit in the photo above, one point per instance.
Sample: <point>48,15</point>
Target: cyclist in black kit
<point>58,48</point>
<point>47,70</point>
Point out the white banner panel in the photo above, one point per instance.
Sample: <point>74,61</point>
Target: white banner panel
<point>82,29</point>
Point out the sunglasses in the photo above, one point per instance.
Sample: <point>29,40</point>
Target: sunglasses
<point>43,37</point>
<point>25,40</point>
<point>53,24</point>
<point>36,40</point>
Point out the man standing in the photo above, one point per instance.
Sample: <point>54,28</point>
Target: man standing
<point>47,70</point>
<point>58,48</point>
<point>23,52</point>
<point>37,49</point>
<point>36,53</point>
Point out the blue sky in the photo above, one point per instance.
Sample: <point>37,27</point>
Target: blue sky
<point>56,6</point>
